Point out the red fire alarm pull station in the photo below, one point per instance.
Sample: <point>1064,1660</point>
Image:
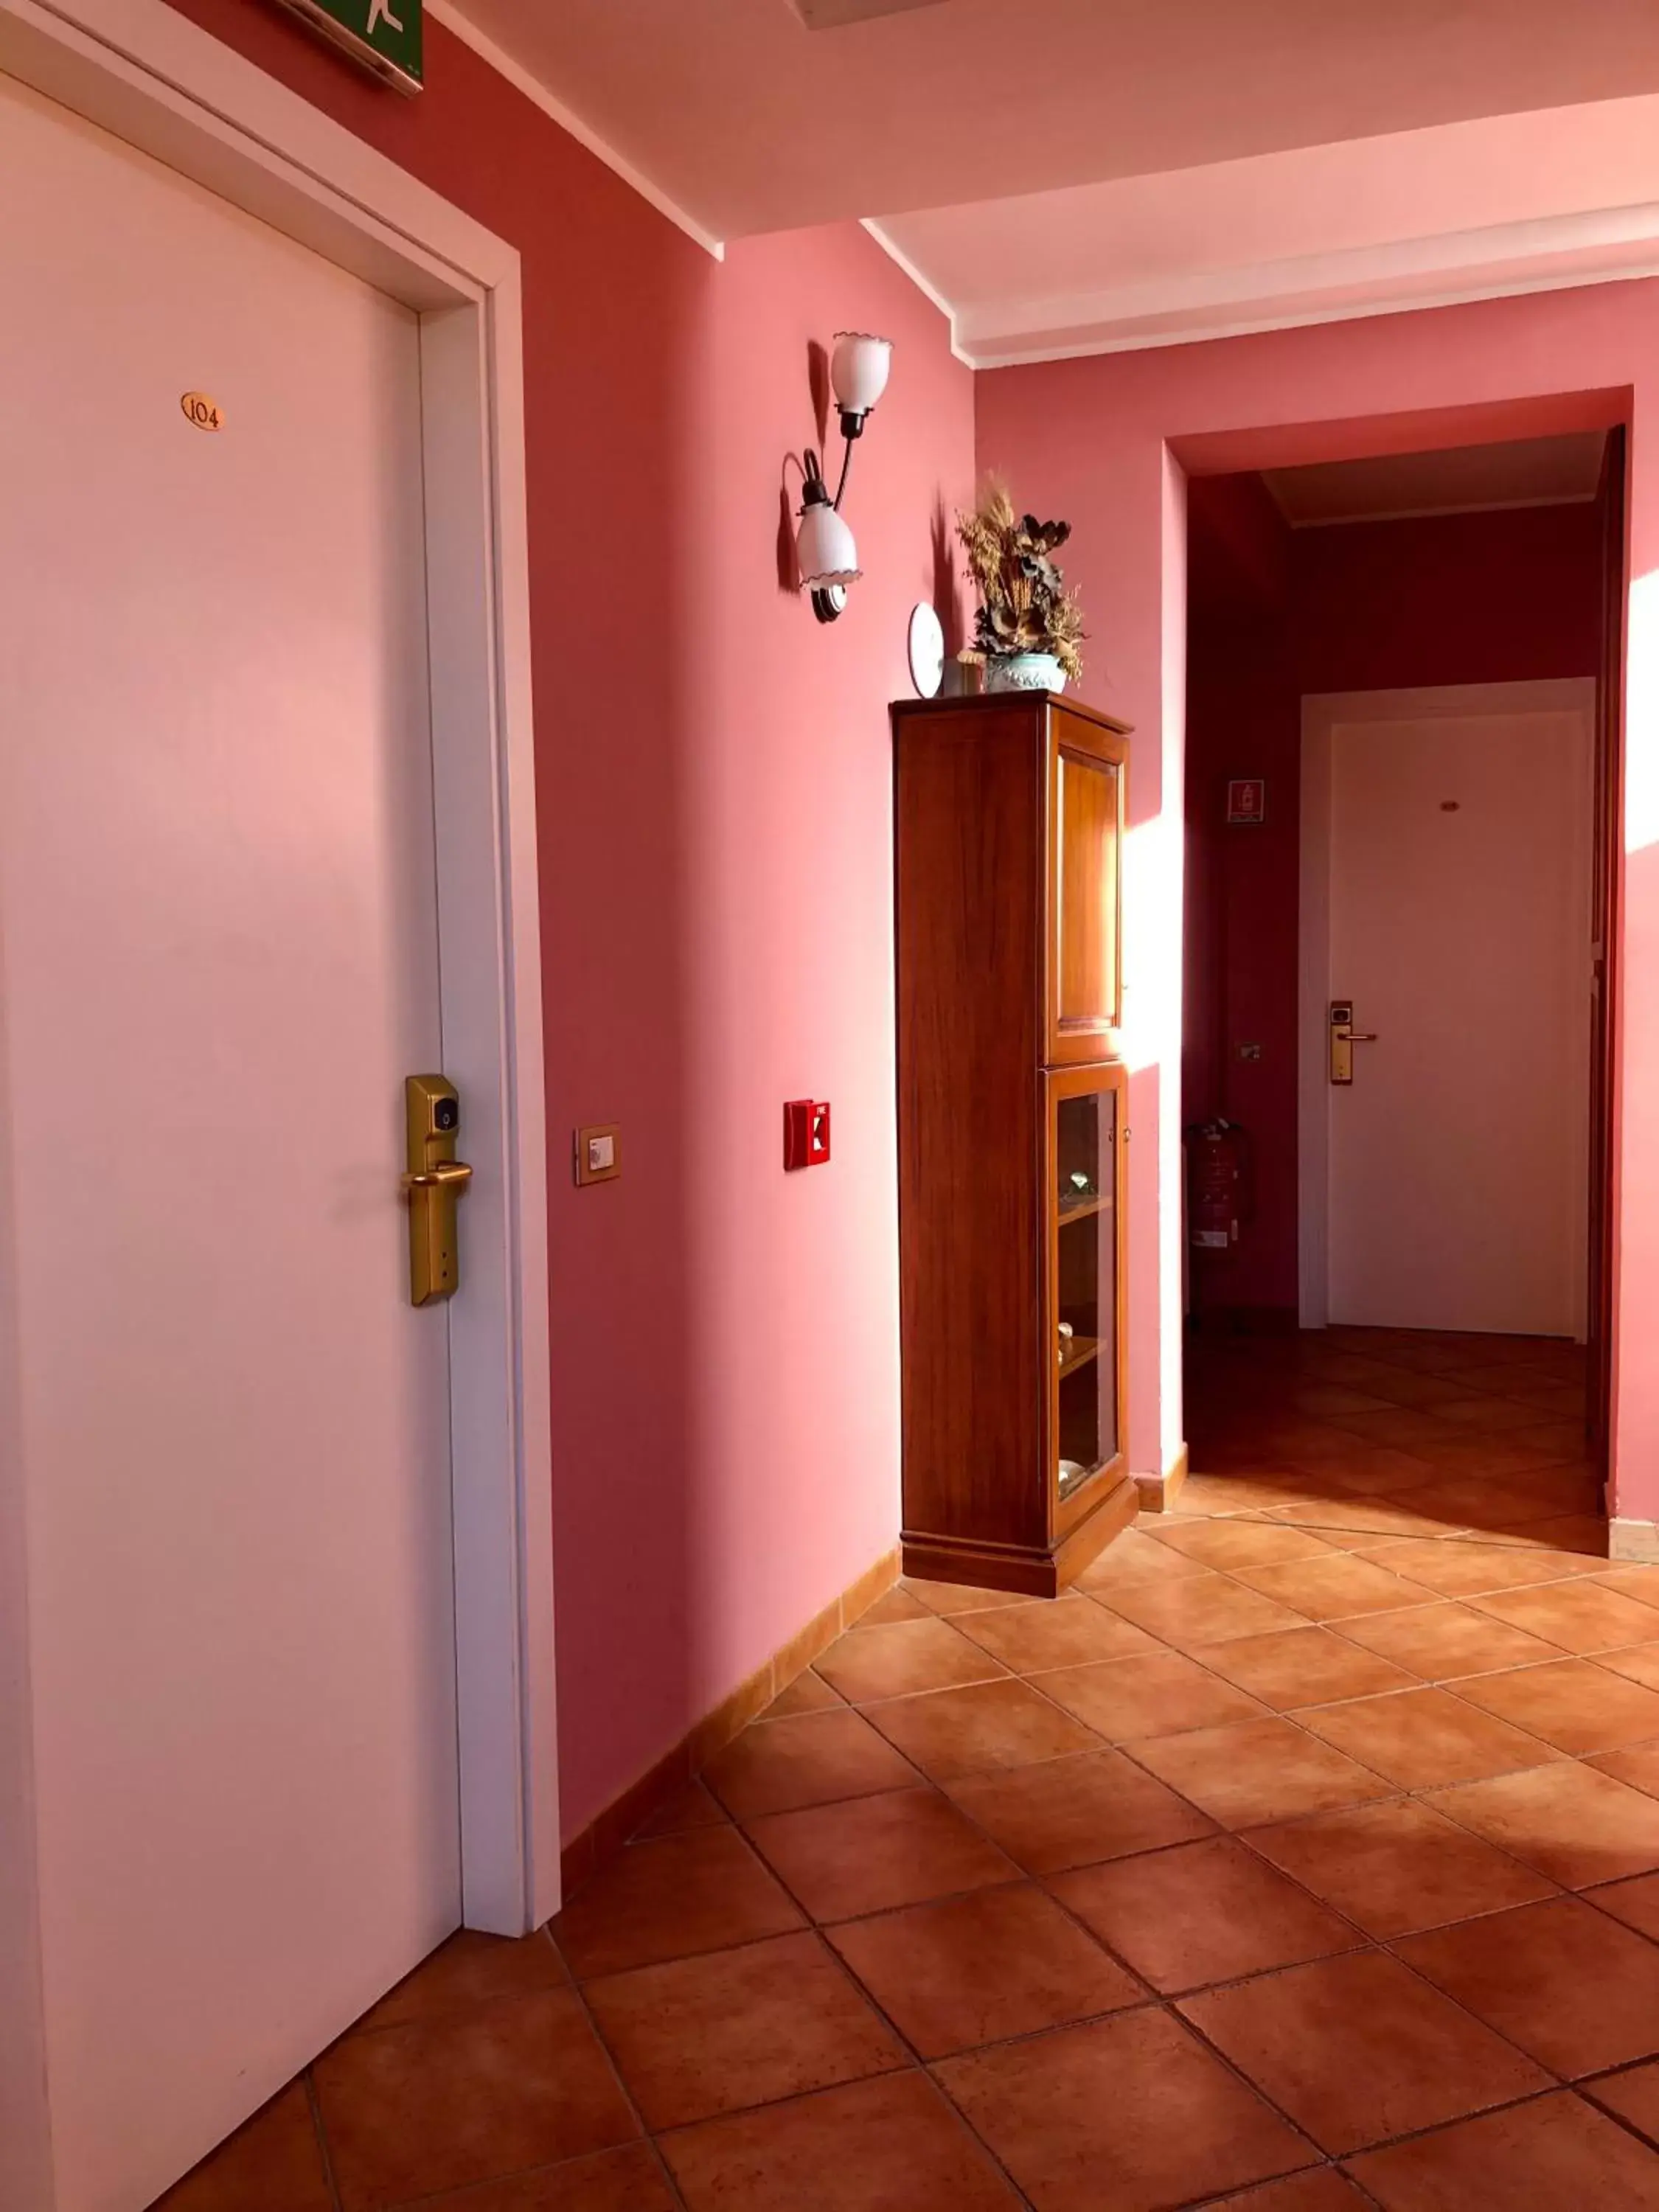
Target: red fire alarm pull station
<point>805,1132</point>
<point>1247,800</point>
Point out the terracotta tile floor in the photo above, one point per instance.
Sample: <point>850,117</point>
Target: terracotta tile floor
<point>1306,1857</point>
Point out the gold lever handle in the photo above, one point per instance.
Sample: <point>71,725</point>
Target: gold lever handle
<point>1343,1036</point>
<point>433,1187</point>
<point>447,1175</point>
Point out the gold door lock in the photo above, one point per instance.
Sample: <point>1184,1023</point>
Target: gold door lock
<point>434,1182</point>
<point>1343,1038</point>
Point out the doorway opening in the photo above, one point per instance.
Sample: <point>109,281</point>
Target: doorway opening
<point>1402,799</point>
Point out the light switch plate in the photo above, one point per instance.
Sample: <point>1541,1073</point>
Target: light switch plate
<point>597,1152</point>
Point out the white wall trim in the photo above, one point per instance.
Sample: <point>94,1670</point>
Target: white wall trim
<point>1451,268</point>
<point>446,13</point>
<point>1321,714</point>
<point>141,70</point>
<point>1313,996</point>
<point>1637,1542</point>
<point>930,291</point>
<point>1004,351</point>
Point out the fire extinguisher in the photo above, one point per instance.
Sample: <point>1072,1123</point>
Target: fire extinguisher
<point>1219,1185</point>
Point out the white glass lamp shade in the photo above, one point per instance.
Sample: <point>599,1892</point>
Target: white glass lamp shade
<point>858,370</point>
<point>824,550</point>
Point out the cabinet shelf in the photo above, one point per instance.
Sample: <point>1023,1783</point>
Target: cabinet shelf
<point>1078,1353</point>
<point>1081,1210</point>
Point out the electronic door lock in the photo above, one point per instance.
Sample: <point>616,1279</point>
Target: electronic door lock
<point>1343,1038</point>
<point>433,1183</point>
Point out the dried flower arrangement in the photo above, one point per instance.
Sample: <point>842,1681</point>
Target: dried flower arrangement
<point>1025,606</point>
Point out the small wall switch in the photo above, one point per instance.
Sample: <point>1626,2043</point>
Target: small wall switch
<point>597,1152</point>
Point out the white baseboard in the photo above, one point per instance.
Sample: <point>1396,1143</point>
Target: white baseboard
<point>1636,1542</point>
<point>1157,1492</point>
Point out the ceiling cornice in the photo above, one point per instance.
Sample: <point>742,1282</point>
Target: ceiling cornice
<point>1552,254</point>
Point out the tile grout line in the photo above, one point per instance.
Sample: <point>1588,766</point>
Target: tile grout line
<point>1327,2165</point>
<point>1560,1652</point>
<point>1586,2088</point>
<point>1154,1999</point>
<point>917,2063</point>
<point>646,2135</point>
<point>1395,1792</point>
<point>850,1974</point>
<point>314,2101</point>
<point>1570,2085</point>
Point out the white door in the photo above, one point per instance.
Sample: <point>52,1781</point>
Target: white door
<point>1459,927</point>
<point>218,961</point>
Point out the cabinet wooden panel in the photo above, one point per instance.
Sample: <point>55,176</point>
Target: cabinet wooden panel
<point>969,812</point>
<point>1008,820</point>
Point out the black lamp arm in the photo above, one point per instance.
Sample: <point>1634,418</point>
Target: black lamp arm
<point>846,470</point>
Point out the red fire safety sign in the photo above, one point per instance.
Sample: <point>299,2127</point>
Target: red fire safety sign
<point>1247,800</point>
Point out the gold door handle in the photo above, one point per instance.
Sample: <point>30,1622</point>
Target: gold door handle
<point>1343,1036</point>
<point>448,1175</point>
<point>434,1182</point>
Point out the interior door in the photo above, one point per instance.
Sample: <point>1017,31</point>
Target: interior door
<point>218,961</point>
<point>1459,930</point>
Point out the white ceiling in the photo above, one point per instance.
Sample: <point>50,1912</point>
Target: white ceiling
<point>1077,175</point>
<point>1523,472</point>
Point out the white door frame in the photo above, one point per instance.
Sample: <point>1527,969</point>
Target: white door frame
<point>143,72</point>
<point>1321,712</point>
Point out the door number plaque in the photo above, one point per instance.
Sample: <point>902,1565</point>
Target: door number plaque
<point>203,412</point>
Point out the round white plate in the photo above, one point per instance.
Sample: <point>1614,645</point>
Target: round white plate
<point>926,651</point>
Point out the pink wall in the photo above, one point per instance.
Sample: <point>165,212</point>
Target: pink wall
<point>1094,439</point>
<point>715,856</point>
<point>1275,613</point>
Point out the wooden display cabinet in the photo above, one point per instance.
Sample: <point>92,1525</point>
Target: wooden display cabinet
<point>1009,817</point>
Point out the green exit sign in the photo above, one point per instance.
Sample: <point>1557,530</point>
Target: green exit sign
<point>384,35</point>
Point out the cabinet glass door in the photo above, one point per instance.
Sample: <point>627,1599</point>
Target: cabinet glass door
<point>1087,831</point>
<point>1085,1144</point>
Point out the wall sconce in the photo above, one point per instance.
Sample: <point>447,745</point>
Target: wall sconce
<point>825,552</point>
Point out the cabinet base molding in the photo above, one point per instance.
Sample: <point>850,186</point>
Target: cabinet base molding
<point>1009,1567</point>
<point>1158,1492</point>
<point>603,1839</point>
